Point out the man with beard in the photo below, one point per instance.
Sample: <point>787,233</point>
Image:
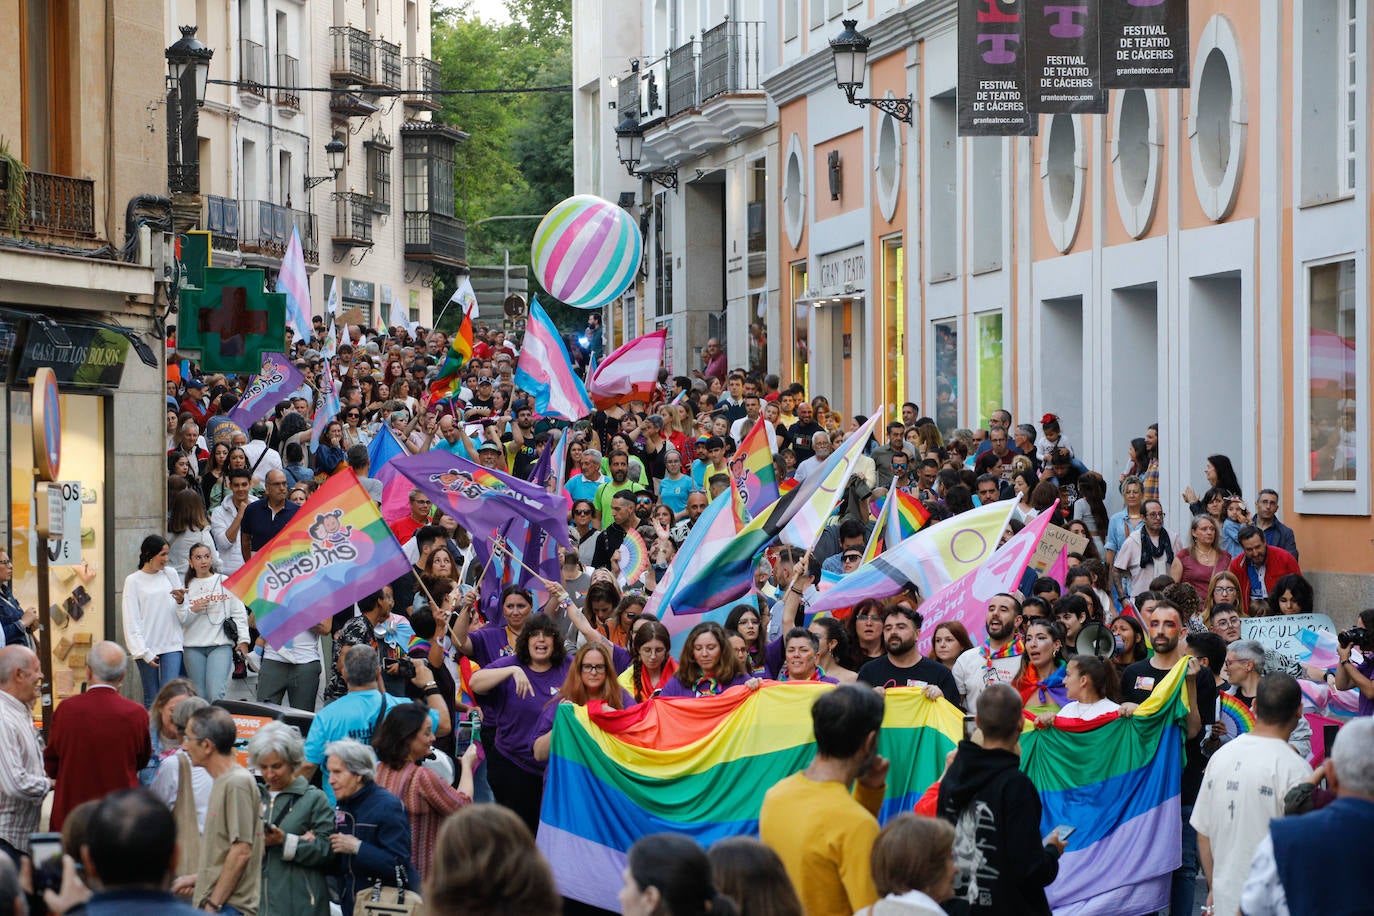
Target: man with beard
<point>903,665</point>
<point>1138,681</point>
<point>800,432</point>
<point>519,442</point>
<point>1149,551</point>
<point>998,659</point>
<point>821,449</point>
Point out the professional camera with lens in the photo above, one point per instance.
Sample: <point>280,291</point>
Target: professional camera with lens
<point>400,667</point>
<point>1356,636</point>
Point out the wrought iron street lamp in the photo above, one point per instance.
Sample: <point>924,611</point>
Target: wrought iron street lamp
<point>850,49</point>
<point>629,148</point>
<point>188,72</point>
<point>334,155</point>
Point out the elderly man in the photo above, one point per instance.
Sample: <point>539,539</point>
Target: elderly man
<point>23,782</point>
<point>713,359</point>
<point>821,449</point>
<point>1283,876</point>
<point>99,739</point>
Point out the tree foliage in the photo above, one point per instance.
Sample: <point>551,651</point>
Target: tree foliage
<point>518,158</point>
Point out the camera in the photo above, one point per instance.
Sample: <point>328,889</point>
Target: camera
<point>1355,636</point>
<point>404,668</point>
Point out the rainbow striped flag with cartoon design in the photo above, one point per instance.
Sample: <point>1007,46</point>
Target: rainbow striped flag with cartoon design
<point>335,550</point>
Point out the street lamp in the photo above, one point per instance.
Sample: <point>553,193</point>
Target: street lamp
<point>334,155</point>
<point>188,72</point>
<point>629,148</point>
<point>850,49</point>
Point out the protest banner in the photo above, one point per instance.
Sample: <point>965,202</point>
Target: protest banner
<point>1293,641</point>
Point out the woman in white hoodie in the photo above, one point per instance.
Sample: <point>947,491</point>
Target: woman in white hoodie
<point>207,615</point>
<point>151,631</point>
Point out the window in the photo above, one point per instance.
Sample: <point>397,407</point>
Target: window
<point>1063,166</point>
<point>887,161</point>
<point>663,258</point>
<point>1135,158</point>
<point>817,13</point>
<point>249,170</point>
<point>1216,130</point>
<point>379,175</point>
<point>1326,90</point>
<point>427,151</point>
<point>758,332</point>
<point>794,193</point>
<point>1333,396</point>
<point>757,219</point>
<point>990,367</point>
<point>894,321</point>
<point>941,178</point>
<point>284,177</point>
<point>801,332</point>
<point>1349,84</point>
<point>946,346</point>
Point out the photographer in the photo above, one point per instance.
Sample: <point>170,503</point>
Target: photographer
<point>1360,676</point>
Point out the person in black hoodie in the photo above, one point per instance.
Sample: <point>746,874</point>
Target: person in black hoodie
<point>1003,866</point>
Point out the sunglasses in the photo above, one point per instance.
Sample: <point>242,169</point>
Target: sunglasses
<point>851,557</point>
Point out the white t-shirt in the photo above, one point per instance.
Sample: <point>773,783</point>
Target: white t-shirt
<point>740,428</point>
<point>1242,790</point>
<point>271,461</point>
<point>1076,710</point>
<point>1128,561</point>
<point>972,675</point>
<point>301,649</point>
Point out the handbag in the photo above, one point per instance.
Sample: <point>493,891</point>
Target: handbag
<point>184,814</point>
<point>388,901</point>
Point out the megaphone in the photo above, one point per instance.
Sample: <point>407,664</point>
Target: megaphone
<point>1096,639</point>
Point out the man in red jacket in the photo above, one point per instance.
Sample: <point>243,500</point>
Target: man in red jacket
<point>99,739</point>
<point>1260,567</point>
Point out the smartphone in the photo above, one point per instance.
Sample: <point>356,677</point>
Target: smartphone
<point>45,849</point>
<point>1065,831</point>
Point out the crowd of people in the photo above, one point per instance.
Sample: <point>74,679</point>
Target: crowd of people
<point>431,700</point>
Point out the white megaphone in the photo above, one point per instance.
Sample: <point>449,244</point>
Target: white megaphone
<point>1095,639</point>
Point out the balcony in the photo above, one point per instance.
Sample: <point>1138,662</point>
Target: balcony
<point>353,56</point>
<point>252,68</point>
<point>344,105</point>
<point>53,205</point>
<point>288,75</point>
<point>436,239</point>
<point>265,231</point>
<point>352,220</point>
<point>682,79</point>
<point>387,73</point>
<point>731,59</point>
<point>627,102</point>
<point>422,78</point>
<point>220,217</point>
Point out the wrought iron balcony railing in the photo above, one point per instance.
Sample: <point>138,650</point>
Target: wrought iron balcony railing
<point>352,220</point>
<point>352,61</point>
<point>288,75</point>
<point>682,79</point>
<point>436,238</point>
<point>387,73</point>
<point>252,67</point>
<point>54,205</point>
<point>422,78</point>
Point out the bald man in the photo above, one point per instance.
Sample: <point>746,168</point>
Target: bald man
<point>99,739</point>
<point>23,783</point>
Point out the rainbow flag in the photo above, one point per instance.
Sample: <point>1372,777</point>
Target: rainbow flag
<point>752,468</point>
<point>909,517</point>
<point>335,550</point>
<point>787,486</point>
<point>447,382</point>
<point>1117,781</point>
<point>701,767</point>
<point>1234,714</point>
<point>715,530</point>
<point>877,538</point>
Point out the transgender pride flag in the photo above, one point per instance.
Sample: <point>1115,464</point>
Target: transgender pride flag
<point>294,283</point>
<point>546,372</point>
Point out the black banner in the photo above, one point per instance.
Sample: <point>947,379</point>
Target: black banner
<point>1144,44</point>
<point>992,70</point>
<point>82,356</point>
<point>1064,72</point>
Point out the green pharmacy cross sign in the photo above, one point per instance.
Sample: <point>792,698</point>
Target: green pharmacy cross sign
<point>232,321</point>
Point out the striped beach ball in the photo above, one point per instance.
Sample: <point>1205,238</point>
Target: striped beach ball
<point>586,251</point>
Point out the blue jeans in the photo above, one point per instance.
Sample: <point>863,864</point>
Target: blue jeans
<point>1184,885</point>
<point>169,669</point>
<point>209,668</point>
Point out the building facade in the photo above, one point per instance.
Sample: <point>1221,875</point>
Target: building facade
<point>1196,258</point>
<point>296,77</point>
<point>82,185</point>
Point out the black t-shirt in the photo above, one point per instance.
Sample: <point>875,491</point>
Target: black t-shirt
<point>1139,680</point>
<point>880,672</point>
<point>799,435</point>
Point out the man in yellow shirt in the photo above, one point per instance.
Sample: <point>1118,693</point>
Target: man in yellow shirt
<point>821,831</point>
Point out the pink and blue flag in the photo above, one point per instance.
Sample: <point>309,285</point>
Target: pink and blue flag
<point>546,371</point>
<point>328,408</point>
<point>294,283</point>
<point>277,380</point>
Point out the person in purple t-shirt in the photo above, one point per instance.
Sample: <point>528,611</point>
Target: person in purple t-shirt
<point>707,666</point>
<point>1361,676</point>
<point>801,648</point>
<point>591,677</point>
<point>517,688</point>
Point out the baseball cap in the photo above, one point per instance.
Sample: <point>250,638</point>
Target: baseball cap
<point>195,383</point>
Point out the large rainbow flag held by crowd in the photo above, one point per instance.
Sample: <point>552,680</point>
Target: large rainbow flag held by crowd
<point>701,767</point>
<point>1117,781</point>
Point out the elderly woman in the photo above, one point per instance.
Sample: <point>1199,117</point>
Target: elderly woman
<point>373,838</point>
<point>297,823</point>
<point>405,738</point>
<point>913,866</point>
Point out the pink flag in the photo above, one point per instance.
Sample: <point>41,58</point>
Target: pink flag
<point>630,373</point>
<point>1059,569</point>
<point>966,598</point>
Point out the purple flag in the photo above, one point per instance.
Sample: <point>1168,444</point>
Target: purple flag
<point>480,499</point>
<point>530,546</point>
<point>277,379</point>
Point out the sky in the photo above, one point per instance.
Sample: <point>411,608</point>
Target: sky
<point>487,10</point>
